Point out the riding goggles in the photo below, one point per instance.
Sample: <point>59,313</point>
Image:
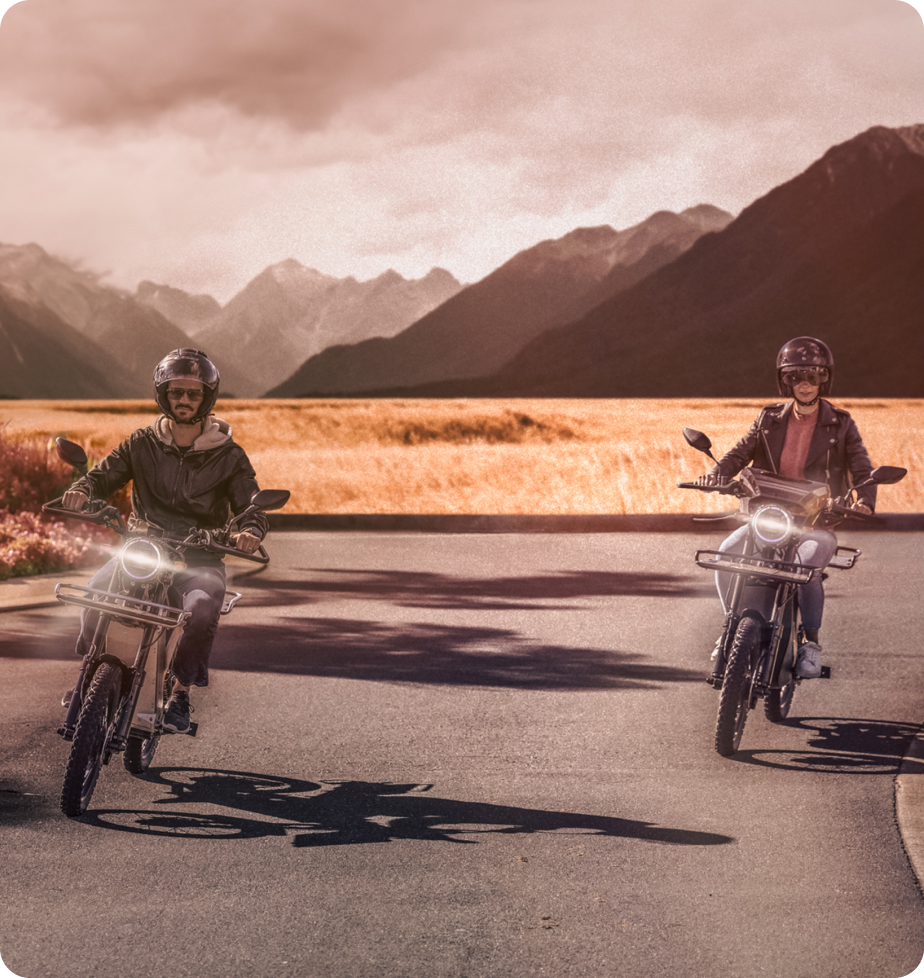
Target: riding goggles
<point>814,377</point>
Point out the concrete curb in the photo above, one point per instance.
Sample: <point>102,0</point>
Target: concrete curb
<point>909,804</point>
<point>591,523</point>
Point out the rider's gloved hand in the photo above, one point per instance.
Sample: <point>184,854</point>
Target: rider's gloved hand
<point>75,499</point>
<point>712,478</point>
<point>245,541</point>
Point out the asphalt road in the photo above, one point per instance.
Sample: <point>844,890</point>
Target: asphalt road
<point>477,755</point>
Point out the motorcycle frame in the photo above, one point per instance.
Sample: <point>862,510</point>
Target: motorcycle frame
<point>136,611</point>
<point>782,623</point>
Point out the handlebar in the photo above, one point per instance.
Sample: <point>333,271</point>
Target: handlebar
<point>726,488</point>
<point>837,509</point>
<point>109,516</point>
<point>99,515</point>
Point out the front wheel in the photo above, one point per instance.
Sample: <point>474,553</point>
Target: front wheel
<point>734,702</point>
<point>90,737</point>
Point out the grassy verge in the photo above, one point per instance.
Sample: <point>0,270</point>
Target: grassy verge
<point>470,456</point>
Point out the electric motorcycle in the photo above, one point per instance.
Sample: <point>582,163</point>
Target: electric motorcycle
<point>755,657</point>
<point>118,703</point>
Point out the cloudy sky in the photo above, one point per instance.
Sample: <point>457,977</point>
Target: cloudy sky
<point>195,142</point>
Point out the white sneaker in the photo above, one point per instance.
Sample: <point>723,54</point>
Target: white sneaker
<point>808,662</point>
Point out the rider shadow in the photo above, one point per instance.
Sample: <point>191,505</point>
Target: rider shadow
<point>840,746</point>
<point>358,813</point>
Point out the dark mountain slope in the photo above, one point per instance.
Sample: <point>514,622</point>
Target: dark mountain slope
<point>836,252</point>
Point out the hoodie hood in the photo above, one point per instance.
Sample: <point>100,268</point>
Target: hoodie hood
<point>215,433</point>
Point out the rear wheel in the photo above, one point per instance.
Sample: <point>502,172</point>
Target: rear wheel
<point>734,702</point>
<point>139,750</point>
<point>778,702</point>
<point>90,739</point>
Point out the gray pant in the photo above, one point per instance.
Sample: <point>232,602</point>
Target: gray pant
<point>199,590</point>
<point>815,550</point>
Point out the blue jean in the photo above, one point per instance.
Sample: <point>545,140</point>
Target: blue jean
<point>199,590</point>
<point>815,550</point>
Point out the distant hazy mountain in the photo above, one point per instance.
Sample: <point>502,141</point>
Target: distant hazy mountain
<point>41,356</point>
<point>190,312</point>
<point>837,253</point>
<point>123,336</point>
<point>485,324</point>
<point>289,312</point>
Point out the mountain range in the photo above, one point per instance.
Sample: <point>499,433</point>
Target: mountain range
<point>484,325</point>
<point>692,304</point>
<point>64,334</point>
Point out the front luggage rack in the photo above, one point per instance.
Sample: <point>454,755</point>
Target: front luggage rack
<point>776,570</point>
<point>133,612</point>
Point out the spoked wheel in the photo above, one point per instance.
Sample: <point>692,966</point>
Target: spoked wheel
<point>139,750</point>
<point>90,739</point>
<point>734,702</point>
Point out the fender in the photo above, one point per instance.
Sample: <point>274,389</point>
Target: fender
<point>123,669</point>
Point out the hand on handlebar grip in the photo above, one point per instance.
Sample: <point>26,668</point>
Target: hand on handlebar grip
<point>711,478</point>
<point>75,499</point>
<point>245,541</point>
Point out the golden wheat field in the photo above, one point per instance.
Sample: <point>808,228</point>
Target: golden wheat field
<point>484,456</point>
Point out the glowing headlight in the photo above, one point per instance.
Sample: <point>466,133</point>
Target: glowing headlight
<point>773,525</point>
<point>140,559</point>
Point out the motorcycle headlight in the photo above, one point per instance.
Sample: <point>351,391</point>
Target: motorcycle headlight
<point>773,525</point>
<point>140,559</point>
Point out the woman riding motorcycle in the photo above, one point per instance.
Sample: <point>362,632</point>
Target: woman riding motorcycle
<point>806,437</point>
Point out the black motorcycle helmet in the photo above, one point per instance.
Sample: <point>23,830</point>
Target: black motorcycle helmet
<point>805,351</point>
<point>187,365</point>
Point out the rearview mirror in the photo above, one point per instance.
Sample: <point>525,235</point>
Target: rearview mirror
<point>699,441</point>
<point>270,498</point>
<point>888,475</point>
<point>72,453</point>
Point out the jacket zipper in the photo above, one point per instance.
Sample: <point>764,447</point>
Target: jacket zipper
<point>763,435</point>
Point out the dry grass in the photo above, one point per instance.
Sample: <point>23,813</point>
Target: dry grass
<point>469,456</point>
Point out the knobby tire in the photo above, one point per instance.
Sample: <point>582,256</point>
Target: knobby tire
<point>88,747</point>
<point>734,701</point>
<point>139,750</point>
<point>778,702</point>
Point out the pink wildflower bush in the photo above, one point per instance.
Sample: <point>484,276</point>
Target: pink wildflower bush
<point>32,474</point>
<point>31,544</point>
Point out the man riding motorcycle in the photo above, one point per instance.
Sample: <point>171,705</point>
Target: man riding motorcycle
<point>806,437</point>
<point>186,471</point>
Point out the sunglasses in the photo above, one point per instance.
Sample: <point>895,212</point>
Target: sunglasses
<point>177,394</point>
<point>813,377</point>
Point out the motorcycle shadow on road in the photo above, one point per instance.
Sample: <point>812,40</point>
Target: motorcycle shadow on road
<point>839,746</point>
<point>424,653</point>
<point>335,813</point>
<point>423,589</point>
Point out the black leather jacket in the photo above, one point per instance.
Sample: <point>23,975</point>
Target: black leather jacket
<point>175,490</point>
<point>836,456</point>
